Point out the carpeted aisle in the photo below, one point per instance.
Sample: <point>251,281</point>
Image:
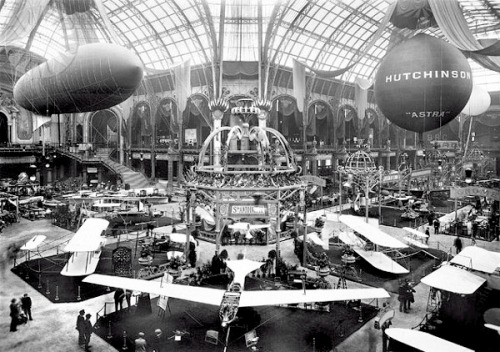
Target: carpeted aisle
<point>419,263</point>
<point>43,274</point>
<point>280,329</point>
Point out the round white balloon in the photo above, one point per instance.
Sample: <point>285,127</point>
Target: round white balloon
<point>479,102</point>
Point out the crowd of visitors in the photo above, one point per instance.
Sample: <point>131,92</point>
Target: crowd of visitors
<point>20,311</point>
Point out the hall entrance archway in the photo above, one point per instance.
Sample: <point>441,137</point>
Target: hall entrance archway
<point>4,129</point>
<point>104,130</point>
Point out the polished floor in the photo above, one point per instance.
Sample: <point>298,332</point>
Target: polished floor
<point>53,327</point>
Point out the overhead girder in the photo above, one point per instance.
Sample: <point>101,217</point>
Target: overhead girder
<point>34,31</point>
<point>296,19</point>
<point>274,22</point>
<point>191,29</point>
<point>155,33</point>
<point>210,28</point>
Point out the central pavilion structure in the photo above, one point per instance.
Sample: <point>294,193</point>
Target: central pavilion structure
<point>247,173</point>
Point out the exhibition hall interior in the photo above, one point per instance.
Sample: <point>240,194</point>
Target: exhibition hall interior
<point>260,175</point>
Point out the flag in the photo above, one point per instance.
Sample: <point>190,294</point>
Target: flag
<point>361,96</point>
<point>39,120</point>
<point>299,84</point>
<point>182,74</point>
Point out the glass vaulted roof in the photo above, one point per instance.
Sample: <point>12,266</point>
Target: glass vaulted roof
<point>327,35</point>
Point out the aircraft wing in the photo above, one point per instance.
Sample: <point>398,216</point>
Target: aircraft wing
<point>33,243</point>
<point>275,297</point>
<point>372,233</point>
<point>190,293</point>
<point>88,237</point>
<point>415,232</point>
<point>423,341</point>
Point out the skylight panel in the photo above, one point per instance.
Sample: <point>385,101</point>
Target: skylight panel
<point>190,13</point>
<point>356,3</point>
<point>321,13</point>
<point>112,5</point>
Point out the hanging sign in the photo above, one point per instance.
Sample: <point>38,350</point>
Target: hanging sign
<point>244,210</point>
<point>248,210</point>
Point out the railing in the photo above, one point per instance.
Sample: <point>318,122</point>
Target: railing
<point>46,249</point>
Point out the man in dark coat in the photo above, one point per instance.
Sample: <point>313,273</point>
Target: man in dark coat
<point>216,264</point>
<point>437,224</point>
<point>458,244</point>
<point>402,297</point>
<point>80,323</point>
<point>26,306</point>
<point>410,298</point>
<point>14,314</point>
<point>87,330</point>
<point>128,295</point>
<point>119,296</point>
<point>159,341</point>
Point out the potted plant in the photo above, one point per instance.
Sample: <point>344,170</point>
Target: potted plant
<point>146,257</point>
<point>174,267</point>
<point>319,223</point>
<point>324,265</point>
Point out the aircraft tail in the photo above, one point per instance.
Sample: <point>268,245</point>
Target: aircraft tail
<point>241,268</point>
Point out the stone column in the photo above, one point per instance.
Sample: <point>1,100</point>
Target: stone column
<point>245,138</point>
<point>314,165</point>
<point>49,176</point>
<point>85,179</point>
<point>217,117</point>
<point>263,118</point>
<point>170,174</point>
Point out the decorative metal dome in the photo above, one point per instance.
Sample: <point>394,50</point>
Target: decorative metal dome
<point>474,155</point>
<point>245,149</point>
<point>360,161</point>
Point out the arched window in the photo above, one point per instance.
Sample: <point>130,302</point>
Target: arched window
<point>104,129</point>
<point>141,131</point>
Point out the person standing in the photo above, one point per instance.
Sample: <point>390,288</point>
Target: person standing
<point>430,218</point>
<point>402,294</point>
<point>87,330</point>
<point>437,224</point>
<point>14,314</point>
<point>409,295</point>
<point>428,233</point>
<point>26,306</point>
<point>119,296</point>
<point>158,341</point>
<point>140,343</point>
<point>475,228</point>
<point>80,323</point>
<point>458,244</point>
<point>128,295</point>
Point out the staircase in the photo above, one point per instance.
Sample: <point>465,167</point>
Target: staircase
<point>128,176</point>
<point>135,179</point>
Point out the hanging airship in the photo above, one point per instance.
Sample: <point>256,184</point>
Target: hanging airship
<point>423,83</point>
<point>95,77</point>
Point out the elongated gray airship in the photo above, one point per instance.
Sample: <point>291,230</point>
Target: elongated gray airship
<point>94,77</point>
